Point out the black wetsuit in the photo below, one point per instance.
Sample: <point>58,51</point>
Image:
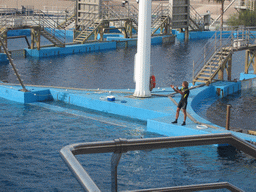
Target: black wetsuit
<point>184,98</point>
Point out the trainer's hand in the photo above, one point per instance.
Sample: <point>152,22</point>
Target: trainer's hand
<point>172,86</point>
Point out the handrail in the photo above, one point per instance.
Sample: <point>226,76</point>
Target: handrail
<point>219,42</point>
<point>214,44</point>
<point>157,15</point>
<point>189,188</point>
<point>119,146</point>
<point>51,26</point>
<point>196,18</point>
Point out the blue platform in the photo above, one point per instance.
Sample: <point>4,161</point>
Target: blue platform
<point>158,111</point>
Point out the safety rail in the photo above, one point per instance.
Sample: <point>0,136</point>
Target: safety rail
<point>213,45</point>
<point>109,12</point>
<point>159,11</point>
<point>118,13</point>
<point>196,19</point>
<point>159,15</point>
<point>222,41</point>
<point>67,16</point>
<point>49,25</point>
<point>119,146</point>
<point>133,13</point>
<point>36,18</point>
<point>7,19</point>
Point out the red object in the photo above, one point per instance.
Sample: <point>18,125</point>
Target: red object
<point>152,82</point>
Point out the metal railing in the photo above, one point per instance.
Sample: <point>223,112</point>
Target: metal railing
<point>197,20</point>
<point>219,41</point>
<point>48,24</point>
<point>35,18</point>
<point>119,146</point>
<point>157,16</point>
<point>213,45</point>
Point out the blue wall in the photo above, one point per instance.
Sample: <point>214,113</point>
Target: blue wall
<point>250,75</point>
<point>19,32</point>
<point>70,49</point>
<point>14,94</point>
<point>3,58</point>
<point>200,34</point>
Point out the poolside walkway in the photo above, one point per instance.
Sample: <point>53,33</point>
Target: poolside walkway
<point>158,111</point>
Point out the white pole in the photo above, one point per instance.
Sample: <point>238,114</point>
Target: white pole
<point>142,63</point>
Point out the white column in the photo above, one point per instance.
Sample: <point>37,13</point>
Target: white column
<point>142,58</point>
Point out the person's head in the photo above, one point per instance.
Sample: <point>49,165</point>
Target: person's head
<point>185,84</point>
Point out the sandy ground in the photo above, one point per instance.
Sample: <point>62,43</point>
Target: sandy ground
<point>201,6</point>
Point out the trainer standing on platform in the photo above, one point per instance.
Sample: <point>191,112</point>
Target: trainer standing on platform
<point>184,91</point>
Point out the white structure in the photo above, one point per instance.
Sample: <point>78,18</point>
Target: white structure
<point>142,57</point>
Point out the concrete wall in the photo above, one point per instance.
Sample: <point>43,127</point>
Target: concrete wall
<point>200,34</point>
<point>113,43</point>
<point>250,75</point>
<point>70,49</point>
<point>3,58</point>
<point>14,94</point>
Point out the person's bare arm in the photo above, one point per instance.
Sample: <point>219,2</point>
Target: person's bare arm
<point>177,90</point>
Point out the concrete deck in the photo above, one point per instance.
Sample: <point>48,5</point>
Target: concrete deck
<point>158,111</point>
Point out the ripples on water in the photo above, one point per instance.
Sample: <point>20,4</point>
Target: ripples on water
<point>31,137</point>
<point>243,110</point>
<point>171,64</point>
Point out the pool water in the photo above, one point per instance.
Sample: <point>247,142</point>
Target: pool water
<point>242,114</point>
<point>112,69</point>
<point>31,136</point>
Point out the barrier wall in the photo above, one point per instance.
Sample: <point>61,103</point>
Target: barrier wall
<point>70,49</point>
<point>218,89</point>
<point>19,32</point>
<point>3,58</point>
<point>116,42</point>
<point>248,83</point>
<point>13,94</point>
<point>250,75</point>
<point>200,34</point>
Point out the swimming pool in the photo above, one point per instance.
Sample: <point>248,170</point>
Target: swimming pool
<point>31,136</point>
<point>242,111</point>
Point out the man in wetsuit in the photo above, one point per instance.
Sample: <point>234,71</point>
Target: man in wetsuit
<point>184,91</point>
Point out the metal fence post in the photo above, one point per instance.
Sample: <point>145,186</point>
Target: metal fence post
<point>114,163</point>
<point>228,117</point>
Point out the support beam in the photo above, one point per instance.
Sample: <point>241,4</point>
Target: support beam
<point>246,67</point>
<point>35,38</point>
<point>142,58</point>
<point>4,39</point>
<point>32,39</point>
<point>221,73</point>
<point>229,67</point>
<point>114,164</point>
<point>250,60</point>
<point>186,34</point>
